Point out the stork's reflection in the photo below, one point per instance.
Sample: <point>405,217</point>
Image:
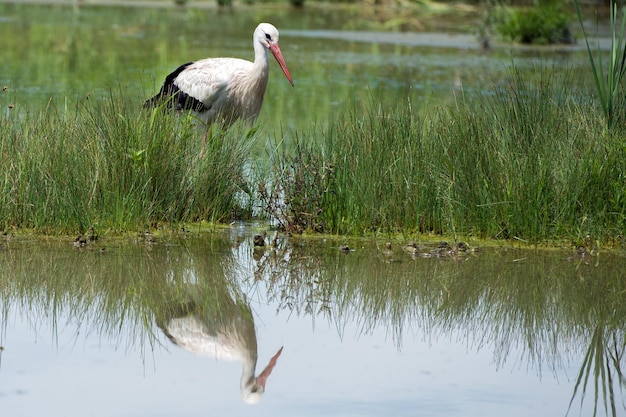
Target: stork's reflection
<point>225,332</point>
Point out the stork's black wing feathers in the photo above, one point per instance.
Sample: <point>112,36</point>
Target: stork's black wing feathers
<point>175,98</point>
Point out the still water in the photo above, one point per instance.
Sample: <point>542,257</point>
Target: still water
<point>173,325</point>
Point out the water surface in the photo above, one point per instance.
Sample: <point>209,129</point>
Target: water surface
<point>364,332</point>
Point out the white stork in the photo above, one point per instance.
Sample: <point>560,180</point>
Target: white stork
<point>224,90</point>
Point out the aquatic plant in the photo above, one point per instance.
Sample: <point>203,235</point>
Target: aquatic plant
<point>609,82</point>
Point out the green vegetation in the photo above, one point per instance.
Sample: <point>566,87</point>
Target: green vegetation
<point>544,23</point>
<point>528,161</point>
<point>106,165</point>
<point>530,158</point>
<point>609,85</point>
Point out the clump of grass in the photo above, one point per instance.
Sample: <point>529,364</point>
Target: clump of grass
<point>531,162</point>
<point>294,195</point>
<point>358,175</point>
<point>526,161</point>
<point>541,24</point>
<point>108,164</point>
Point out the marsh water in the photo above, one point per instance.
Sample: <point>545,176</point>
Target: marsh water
<point>178,324</point>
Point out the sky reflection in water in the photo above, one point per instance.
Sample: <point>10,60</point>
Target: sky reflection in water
<point>318,374</point>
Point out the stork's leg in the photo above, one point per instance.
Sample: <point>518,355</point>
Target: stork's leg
<point>204,138</point>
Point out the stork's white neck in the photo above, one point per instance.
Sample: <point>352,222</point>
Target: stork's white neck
<point>261,61</point>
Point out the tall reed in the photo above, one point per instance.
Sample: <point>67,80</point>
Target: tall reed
<point>609,83</point>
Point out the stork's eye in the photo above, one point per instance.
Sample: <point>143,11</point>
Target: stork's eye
<point>268,36</point>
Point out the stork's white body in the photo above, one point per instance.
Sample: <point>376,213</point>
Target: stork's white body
<point>229,88</point>
<point>224,89</point>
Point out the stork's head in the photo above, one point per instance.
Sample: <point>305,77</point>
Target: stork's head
<point>267,35</point>
<point>253,389</point>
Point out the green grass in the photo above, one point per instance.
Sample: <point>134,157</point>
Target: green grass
<point>530,160</point>
<point>106,164</point>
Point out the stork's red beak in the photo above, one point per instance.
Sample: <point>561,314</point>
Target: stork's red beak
<point>262,378</point>
<point>275,50</point>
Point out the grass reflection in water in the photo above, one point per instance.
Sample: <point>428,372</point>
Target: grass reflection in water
<point>551,309</point>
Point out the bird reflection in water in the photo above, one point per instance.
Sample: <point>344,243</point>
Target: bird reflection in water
<point>226,333</point>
